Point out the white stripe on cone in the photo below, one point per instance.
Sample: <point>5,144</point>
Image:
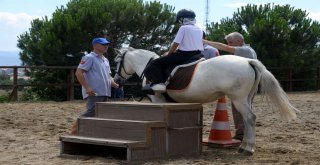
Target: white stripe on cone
<point>220,125</point>
<point>221,106</point>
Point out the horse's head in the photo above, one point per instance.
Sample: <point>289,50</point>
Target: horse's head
<point>122,71</point>
<point>130,61</point>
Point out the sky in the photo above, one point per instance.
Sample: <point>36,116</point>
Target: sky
<point>16,15</point>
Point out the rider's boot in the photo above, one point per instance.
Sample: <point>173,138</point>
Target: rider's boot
<point>161,87</point>
<point>147,89</point>
<point>151,88</point>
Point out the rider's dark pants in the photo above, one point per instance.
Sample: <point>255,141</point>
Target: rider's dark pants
<point>156,70</point>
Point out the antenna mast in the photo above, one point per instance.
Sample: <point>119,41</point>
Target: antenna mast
<point>207,13</point>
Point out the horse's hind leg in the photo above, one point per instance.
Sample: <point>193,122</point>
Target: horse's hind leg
<point>248,142</point>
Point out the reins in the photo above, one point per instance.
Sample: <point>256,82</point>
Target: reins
<point>121,66</point>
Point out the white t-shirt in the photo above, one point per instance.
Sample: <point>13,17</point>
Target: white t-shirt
<point>189,38</point>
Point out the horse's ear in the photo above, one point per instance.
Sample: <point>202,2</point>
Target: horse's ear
<point>117,51</point>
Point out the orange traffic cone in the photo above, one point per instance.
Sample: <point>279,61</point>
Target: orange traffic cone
<point>220,134</point>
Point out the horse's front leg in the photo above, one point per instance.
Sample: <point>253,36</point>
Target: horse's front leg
<point>249,119</point>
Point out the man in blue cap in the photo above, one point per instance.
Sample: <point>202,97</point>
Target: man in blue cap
<point>94,75</point>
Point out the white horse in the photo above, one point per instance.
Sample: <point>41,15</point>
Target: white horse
<point>228,75</point>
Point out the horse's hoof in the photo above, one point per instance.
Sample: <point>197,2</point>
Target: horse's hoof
<point>240,150</point>
<point>246,153</point>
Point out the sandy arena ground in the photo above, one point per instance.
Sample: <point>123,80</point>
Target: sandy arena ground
<point>29,134</point>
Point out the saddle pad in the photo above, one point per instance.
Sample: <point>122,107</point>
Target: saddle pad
<point>181,78</point>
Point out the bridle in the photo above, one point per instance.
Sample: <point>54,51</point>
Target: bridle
<point>121,66</point>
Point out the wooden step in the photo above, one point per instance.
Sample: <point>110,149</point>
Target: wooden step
<point>129,150</point>
<point>102,141</point>
<point>139,131</point>
<point>188,113</point>
<point>133,130</point>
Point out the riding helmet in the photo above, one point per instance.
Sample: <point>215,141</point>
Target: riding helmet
<point>185,13</point>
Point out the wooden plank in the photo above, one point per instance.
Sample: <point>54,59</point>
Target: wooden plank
<point>103,141</point>
<point>172,105</point>
<point>142,111</point>
<point>183,142</point>
<point>155,150</point>
<point>116,129</point>
<point>185,118</point>
<point>137,112</point>
<point>183,106</point>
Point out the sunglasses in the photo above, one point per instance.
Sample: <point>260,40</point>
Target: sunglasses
<point>105,44</point>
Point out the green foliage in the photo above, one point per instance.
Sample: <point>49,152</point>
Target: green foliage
<point>4,98</point>
<point>47,76</point>
<point>281,35</point>
<point>29,95</point>
<point>64,39</point>
<point>4,76</point>
<point>5,80</point>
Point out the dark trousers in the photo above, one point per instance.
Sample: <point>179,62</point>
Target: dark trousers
<point>238,122</point>
<point>91,104</point>
<point>156,71</point>
<point>119,93</point>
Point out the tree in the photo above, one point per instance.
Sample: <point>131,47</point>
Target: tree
<point>64,39</point>
<point>281,36</point>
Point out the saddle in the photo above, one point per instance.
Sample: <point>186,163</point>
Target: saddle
<point>181,76</point>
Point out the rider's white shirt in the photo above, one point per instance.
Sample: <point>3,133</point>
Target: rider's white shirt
<point>189,38</point>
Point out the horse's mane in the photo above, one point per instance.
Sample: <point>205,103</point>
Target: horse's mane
<point>121,52</point>
<point>129,49</point>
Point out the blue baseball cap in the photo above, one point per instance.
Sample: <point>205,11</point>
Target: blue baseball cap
<point>102,41</point>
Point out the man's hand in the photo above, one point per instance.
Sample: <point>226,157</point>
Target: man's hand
<point>90,92</point>
<point>115,85</point>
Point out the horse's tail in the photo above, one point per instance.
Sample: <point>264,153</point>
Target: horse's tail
<point>270,87</point>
